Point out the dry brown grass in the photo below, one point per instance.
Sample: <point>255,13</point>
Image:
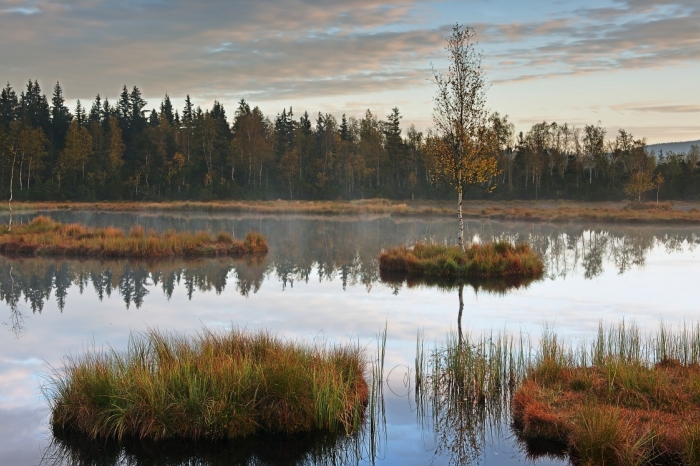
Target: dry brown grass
<point>212,386</point>
<point>615,412</point>
<point>43,236</point>
<point>491,260</point>
<point>542,211</point>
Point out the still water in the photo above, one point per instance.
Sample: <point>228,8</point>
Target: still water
<point>320,281</point>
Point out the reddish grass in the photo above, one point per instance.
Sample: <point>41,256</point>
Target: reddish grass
<point>614,413</point>
<point>43,236</point>
<point>491,260</point>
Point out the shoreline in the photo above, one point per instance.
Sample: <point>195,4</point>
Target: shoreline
<point>677,212</point>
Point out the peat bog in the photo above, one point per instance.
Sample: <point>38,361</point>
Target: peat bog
<point>46,237</point>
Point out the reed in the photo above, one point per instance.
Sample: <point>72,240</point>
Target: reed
<point>43,236</point>
<point>626,399</point>
<point>209,387</point>
<point>500,259</point>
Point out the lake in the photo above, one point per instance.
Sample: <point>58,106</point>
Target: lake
<point>320,282</point>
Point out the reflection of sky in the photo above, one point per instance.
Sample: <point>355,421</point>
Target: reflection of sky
<point>660,290</point>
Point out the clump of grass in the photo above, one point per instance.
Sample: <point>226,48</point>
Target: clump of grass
<point>255,242</point>
<point>628,399</point>
<point>492,260</point>
<point>211,386</point>
<point>662,206</point>
<point>43,236</point>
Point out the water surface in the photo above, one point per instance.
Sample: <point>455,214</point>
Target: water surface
<point>321,281</point>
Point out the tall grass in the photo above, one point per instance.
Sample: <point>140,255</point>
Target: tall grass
<point>43,236</point>
<point>211,386</point>
<point>492,260</point>
<point>627,398</point>
<point>624,398</point>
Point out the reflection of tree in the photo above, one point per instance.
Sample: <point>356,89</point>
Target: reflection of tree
<point>463,393</point>
<point>327,248</point>
<point>16,321</point>
<point>35,279</point>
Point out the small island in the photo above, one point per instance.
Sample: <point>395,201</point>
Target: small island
<point>499,259</point>
<point>46,237</point>
<point>213,386</point>
<point>614,404</point>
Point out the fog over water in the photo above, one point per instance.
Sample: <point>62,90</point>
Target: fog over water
<point>321,281</point>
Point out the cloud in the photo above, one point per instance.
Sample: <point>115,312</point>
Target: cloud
<point>642,108</point>
<point>632,35</point>
<point>21,11</point>
<point>267,49</point>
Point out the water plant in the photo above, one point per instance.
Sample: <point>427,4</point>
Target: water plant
<point>626,398</point>
<point>44,236</point>
<point>211,386</point>
<point>499,259</point>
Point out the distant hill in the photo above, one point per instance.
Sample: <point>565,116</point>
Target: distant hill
<point>673,146</point>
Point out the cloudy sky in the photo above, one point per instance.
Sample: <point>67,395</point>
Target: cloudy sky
<point>626,63</point>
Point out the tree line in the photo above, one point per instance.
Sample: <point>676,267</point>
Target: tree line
<point>126,151</point>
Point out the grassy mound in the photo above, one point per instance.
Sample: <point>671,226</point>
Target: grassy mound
<point>492,260</point>
<point>43,236</point>
<point>613,406</point>
<point>168,386</point>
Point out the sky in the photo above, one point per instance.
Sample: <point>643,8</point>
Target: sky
<point>630,64</point>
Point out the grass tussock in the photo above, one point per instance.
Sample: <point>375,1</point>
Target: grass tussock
<point>43,236</point>
<point>491,260</point>
<point>210,387</point>
<point>628,399</point>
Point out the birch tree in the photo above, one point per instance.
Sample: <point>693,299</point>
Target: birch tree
<point>464,149</point>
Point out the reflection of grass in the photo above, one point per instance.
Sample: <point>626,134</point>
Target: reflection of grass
<point>439,262</point>
<point>490,285</point>
<point>317,448</point>
<point>210,387</point>
<point>43,236</point>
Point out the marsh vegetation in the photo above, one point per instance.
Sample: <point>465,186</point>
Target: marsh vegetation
<point>499,259</point>
<point>624,398</point>
<point>46,237</point>
<point>209,386</point>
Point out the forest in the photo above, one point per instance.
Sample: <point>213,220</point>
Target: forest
<point>130,151</point>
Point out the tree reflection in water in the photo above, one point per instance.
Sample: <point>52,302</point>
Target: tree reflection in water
<point>330,250</point>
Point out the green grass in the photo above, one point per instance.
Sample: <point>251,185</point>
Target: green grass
<point>209,387</point>
<point>43,236</point>
<point>496,260</point>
